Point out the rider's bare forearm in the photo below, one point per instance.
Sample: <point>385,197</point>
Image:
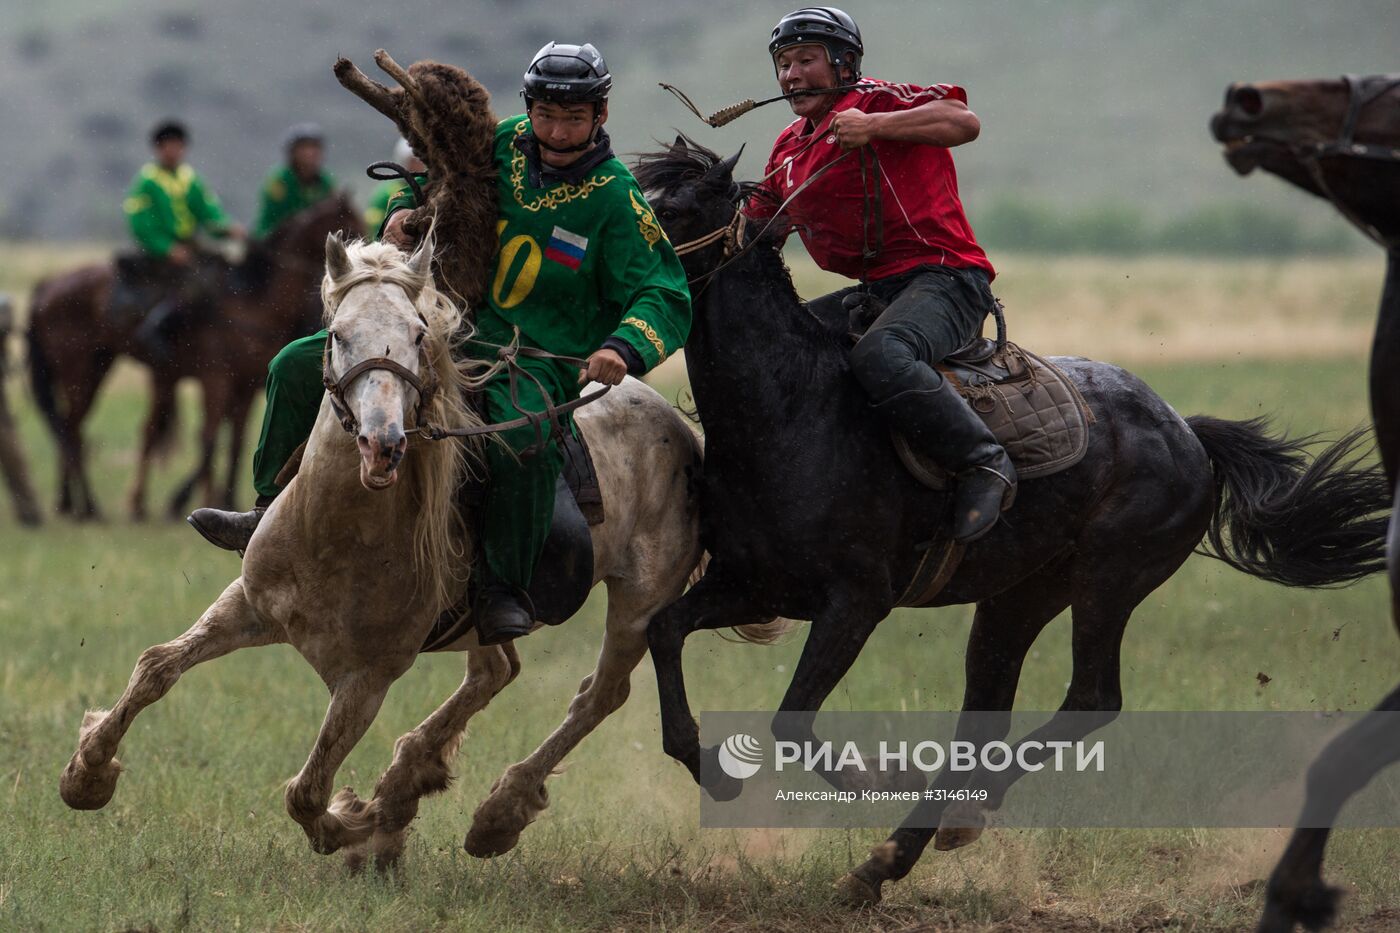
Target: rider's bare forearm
<point>945,123</point>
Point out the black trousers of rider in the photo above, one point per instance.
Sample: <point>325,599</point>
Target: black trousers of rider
<point>933,310</point>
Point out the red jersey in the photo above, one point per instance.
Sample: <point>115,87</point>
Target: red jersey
<point>923,217</point>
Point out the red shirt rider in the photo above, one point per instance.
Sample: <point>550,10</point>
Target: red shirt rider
<point>874,196</point>
<point>922,215</point>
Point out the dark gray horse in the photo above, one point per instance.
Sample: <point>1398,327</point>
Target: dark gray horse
<point>1339,140</point>
<point>808,514</point>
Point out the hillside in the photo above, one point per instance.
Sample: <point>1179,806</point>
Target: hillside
<point>1081,101</point>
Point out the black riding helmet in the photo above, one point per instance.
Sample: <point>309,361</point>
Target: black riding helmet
<point>569,74</point>
<point>825,26</point>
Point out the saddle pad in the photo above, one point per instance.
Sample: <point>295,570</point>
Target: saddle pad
<point>1031,407</point>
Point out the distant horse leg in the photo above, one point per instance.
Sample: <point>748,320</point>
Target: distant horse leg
<point>79,395</point>
<point>346,820</point>
<point>519,795</point>
<point>90,778</point>
<point>422,763</point>
<point>14,467</point>
<point>214,406</point>
<point>1296,892</point>
<point>711,603</point>
<point>1003,630</point>
<point>158,425</point>
<point>238,428</point>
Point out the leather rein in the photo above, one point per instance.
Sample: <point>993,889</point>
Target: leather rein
<point>427,387</point>
<point>1361,91</point>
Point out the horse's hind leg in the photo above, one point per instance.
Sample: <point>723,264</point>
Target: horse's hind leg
<point>519,795</point>
<point>91,776</point>
<point>423,757</point>
<point>1296,892</point>
<point>346,820</point>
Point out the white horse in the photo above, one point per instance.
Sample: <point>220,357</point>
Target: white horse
<point>324,571</point>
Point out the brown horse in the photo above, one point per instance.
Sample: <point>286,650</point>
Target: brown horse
<point>73,343</point>
<point>1339,140</point>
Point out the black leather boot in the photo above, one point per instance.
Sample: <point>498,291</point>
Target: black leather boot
<point>229,530</point>
<point>939,423</point>
<point>153,333</point>
<point>502,613</point>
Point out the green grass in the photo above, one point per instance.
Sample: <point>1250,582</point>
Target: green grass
<point>196,837</point>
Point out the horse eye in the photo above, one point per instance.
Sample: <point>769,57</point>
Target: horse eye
<point>419,341</point>
<point>667,213</point>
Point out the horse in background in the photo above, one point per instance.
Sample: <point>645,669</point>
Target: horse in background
<point>1339,140</point>
<point>12,460</point>
<point>73,343</point>
<point>366,512</point>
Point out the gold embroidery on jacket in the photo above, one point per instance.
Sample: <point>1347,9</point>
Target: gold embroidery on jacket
<point>554,197</point>
<point>650,333</point>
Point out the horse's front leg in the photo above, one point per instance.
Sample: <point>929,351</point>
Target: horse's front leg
<point>422,762</point>
<point>711,603</point>
<point>519,795</point>
<point>90,778</point>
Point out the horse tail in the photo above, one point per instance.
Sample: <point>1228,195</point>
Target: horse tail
<point>1287,518</point>
<point>41,377</point>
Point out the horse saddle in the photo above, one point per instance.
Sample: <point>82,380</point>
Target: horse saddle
<point>1030,405</point>
<point>564,574</point>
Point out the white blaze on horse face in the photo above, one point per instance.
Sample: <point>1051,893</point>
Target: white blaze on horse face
<point>375,320</point>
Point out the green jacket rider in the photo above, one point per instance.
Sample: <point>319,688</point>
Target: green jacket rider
<point>296,185</point>
<point>583,270</point>
<point>168,202</point>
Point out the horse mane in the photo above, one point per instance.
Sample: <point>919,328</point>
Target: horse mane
<point>686,162</point>
<point>442,540</point>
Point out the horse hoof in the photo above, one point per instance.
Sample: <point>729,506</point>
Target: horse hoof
<point>967,820</point>
<point>85,788</point>
<point>854,891</point>
<point>1312,908</point>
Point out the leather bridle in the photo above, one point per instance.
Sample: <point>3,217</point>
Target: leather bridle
<point>425,385</point>
<point>1361,91</point>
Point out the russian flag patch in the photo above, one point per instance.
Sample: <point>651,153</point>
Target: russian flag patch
<point>566,248</point>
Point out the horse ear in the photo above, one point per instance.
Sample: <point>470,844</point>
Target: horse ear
<point>337,259</point>
<point>722,172</point>
<point>421,262</point>
<point>680,143</point>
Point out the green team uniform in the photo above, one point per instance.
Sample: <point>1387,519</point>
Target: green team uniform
<point>284,194</point>
<point>164,208</point>
<point>579,265</point>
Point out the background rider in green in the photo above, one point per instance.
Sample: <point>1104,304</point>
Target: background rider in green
<point>166,205</point>
<point>299,183</point>
<point>582,270</point>
<point>386,191</point>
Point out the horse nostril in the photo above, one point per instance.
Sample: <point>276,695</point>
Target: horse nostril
<point>362,442</point>
<point>1249,101</point>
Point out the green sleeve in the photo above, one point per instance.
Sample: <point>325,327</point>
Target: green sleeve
<point>378,209</point>
<point>272,201</point>
<point>205,206</point>
<point>642,278</point>
<point>153,236</point>
<point>404,200</point>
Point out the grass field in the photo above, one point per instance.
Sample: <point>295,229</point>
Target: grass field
<point>196,837</point>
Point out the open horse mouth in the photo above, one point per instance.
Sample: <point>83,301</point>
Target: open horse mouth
<point>377,482</point>
<point>1243,151</point>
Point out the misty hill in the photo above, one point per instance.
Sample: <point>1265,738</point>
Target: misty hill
<point>1082,103</point>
